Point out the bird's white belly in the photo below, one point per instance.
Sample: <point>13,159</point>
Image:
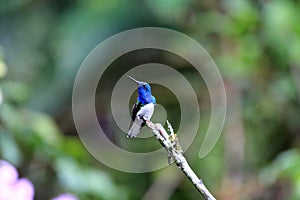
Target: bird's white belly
<point>146,111</point>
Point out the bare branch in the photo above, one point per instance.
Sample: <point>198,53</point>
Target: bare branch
<point>171,144</point>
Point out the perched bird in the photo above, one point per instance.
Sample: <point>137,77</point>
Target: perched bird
<point>143,109</point>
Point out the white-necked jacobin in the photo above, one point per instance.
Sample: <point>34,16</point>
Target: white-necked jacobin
<point>143,109</point>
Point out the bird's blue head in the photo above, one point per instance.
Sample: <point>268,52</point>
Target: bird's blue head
<point>144,91</point>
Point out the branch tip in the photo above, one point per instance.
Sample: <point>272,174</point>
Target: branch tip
<point>172,146</point>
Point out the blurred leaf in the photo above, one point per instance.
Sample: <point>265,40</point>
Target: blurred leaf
<point>73,147</point>
<point>243,17</point>
<point>169,10</point>
<point>282,89</point>
<point>30,125</point>
<point>1,97</point>
<point>3,68</point>
<point>16,92</point>
<point>44,126</point>
<point>240,57</point>
<point>281,29</point>
<point>286,165</point>
<point>9,149</point>
<point>12,119</point>
<point>80,179</point>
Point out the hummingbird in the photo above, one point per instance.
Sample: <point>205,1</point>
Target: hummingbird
<point>143,108</point>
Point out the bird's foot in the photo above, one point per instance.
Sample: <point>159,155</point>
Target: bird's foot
<point>170,159</point>
<point>130,136</point>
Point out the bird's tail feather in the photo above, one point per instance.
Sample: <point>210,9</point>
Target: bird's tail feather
<point>135,128</point>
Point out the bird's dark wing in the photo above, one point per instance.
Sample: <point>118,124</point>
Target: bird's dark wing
<point>135,109</point>
<point>135,124</point>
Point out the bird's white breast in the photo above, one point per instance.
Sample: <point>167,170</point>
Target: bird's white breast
<point>146,111</point>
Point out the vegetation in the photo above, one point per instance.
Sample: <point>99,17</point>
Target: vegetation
<point>255,44</point>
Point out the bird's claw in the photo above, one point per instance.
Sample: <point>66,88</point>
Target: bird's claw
<point>130,136</point>
<point>170,159</point>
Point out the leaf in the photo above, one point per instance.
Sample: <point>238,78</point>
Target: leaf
<point>3,67</point>
<point>86,180</point>
<point>9,149</point>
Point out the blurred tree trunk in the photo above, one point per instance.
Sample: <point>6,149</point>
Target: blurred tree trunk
<point>234,140</point>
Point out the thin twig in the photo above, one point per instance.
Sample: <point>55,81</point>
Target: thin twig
<point>171,144</point>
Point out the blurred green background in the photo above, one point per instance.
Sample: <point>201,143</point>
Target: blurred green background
<point>255,44</point>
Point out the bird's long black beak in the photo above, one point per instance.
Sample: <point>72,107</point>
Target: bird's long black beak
<point>138,82</point>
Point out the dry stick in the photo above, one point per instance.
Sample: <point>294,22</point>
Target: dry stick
<point>170,143</point>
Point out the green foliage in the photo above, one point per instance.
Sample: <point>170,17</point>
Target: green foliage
<point>256,45</point>
<point>88,182</point>
<point>282,31</point>
<point>3,67</point>
<point>285,166</point>
<point>26,134</point>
